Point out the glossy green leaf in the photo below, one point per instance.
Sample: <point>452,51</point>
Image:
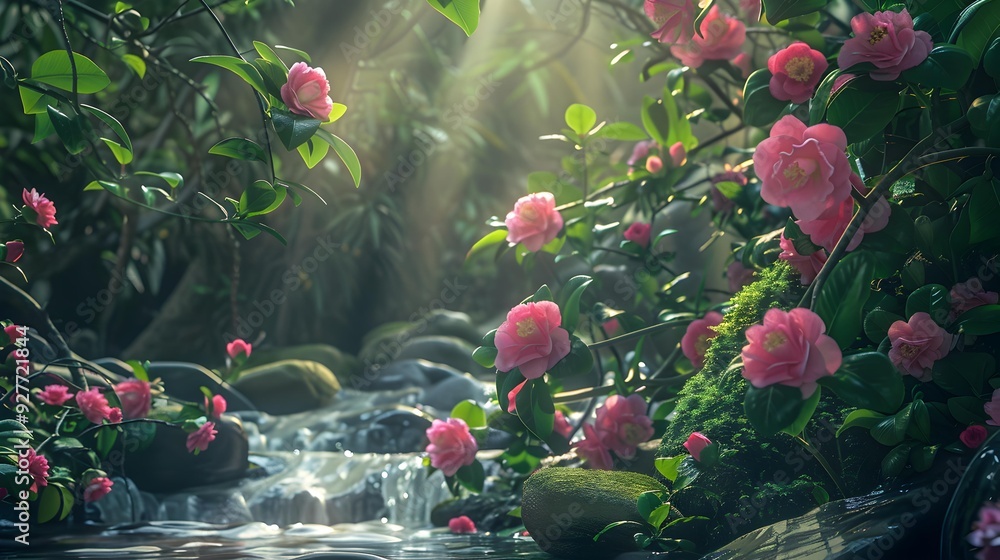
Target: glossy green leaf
<point>137,64</point>
<point>984,207</point>
<point>569,301</point>
<point>799,424</point>
<point>579,361</point>
<point>967,410</point>
<point>760,108</point>
<point>345,153</point>
<point>239,148</point>
<point>981,320</point>
<point>947,66</point>
<point>863,108</point>
<point>964,373</point>
<point>867,380</point>
<point>891,430</point>
<point>55,502</point>
<point>33,102</point>
<point>313,151</point>
<point>622,131</point>
<point>267,53</point>
<point>237,66</point>
<point>932,299</point>
<point>463,13</point>
<point>293,130</point>
<point>472,476</point>
<point>535,408</point>
<point>777,11</point>
<point>54,68</point>
<point>470,412</point>
<point>842,298</point>
<point>580,118</point>
<point>977,26</point>
<point>70,130</point>
<point>772,408</point>
<point>867,419</point>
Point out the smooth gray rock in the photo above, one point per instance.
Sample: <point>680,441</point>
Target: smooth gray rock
<point>288,386</point>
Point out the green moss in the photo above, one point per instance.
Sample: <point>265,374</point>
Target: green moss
<point>760,479</point>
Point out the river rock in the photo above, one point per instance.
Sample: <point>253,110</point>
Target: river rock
<point>184,381</point>
<point>447,350</point>
<point>563,508</point>
<point>166,466</point>
<point>342,364</point>
<point>288,386</point>
<point>445,394</point>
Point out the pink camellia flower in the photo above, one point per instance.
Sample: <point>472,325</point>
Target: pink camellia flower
<point>115,415</point>
<point>970,294</point>
<point>451,445</point>
<point>622,424</point>
<point>992,408</point>
<point>738,276</point>
<point>640,151</point>
<point>38,469</point>
<point>200,438</point>
<point>307,92</point>
<point>38,208</point>
<point>93,405</point>
<point>54,395</point>
<point>722,37</point>
<point>593,450</point>
<point>790,349</point>
<point>217,406</point>
<point>829,227</point>
<point>654,164</point>
<point>561,425</point>
<point>97,488</point>
<point>639,233</point>
<point>674,19</point>
<point>986,532</point>
<point>15,249</point>
<point>888,41</point>
<point>13,332</point>
<point>795,72</point>
<point>239,347</point>
<point>973,436</point>
<point>531,339</point>
<point>461,524</point>
<point>804,168</point>
<point>678,154</point>
<point>807,265</point>
<point>698,336</point>
<point>917,344</point>
<point>534,220</point>
<point>612,326</point>
<point>512,397</point>
<point>135,397</point>
<point>696,443</point>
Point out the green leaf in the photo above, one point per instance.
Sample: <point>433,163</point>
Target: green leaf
<point>659,516</point>
<point>137,64</point>
<point>175,180</point>
<point>346,154</point>
<point>580,360</point>
<point>470,412</point>
<point>313,151</point>
<point>655,120</point>
<point>122,155</point>
<point>463,13</point>
<point>293,130</point>
<point>895,461</point>
<point>69,129</point>
<point>772,408</point>
<point>535,408</point>
<point>55,502</point>
<point>54,68</point>
<point>860,419</point>
<point>842,298</point>
<point>621,131</point>
<point>680,125</point>
<point>249,230</point>
<point>299,186</point>
<point>259,198</point>
<point>472,476</point>
<point>668,466</point>
<point>123,151</point>
<point>760,108</point>
<point>979,321</point>
<point>984,207</point>
<point>491,239</point>
<point>9,73</point>
<point>113,188</point>
<point>777,11</point>
<point>303,54</point>
<point>984,119</point>
<point>248,72</point>
<point>106,437</point>
<point>267,53</point>
<point>273,74</point>
<point>569,301</point>
<point>877,324</point>
<point>799,424</point>
<point>239,148</point>
<point>967,410</point>
<point>486,355</point>
<point>964,373</point>
<point>932,299</point>
<point>506,381</point>
<point>947,66</point>
<point>648,502</point>
<point>43,127</point>
<point>891,430</point>
<point>976,27</point>
<point>580,118</point>
<point>863,108</point>
<point>868,380</point>
<point>34,103</point>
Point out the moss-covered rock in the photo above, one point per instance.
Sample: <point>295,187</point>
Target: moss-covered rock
<point>764,479</point>
<point>342,364</point>
<point>563,508</point>
<point>288,386</point>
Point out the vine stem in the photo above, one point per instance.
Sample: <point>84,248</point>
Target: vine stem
<point>823,463</point>
<point>913,161</point>
<point>260,101</point>
<point>69,51</point>
<point>636,334</point>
